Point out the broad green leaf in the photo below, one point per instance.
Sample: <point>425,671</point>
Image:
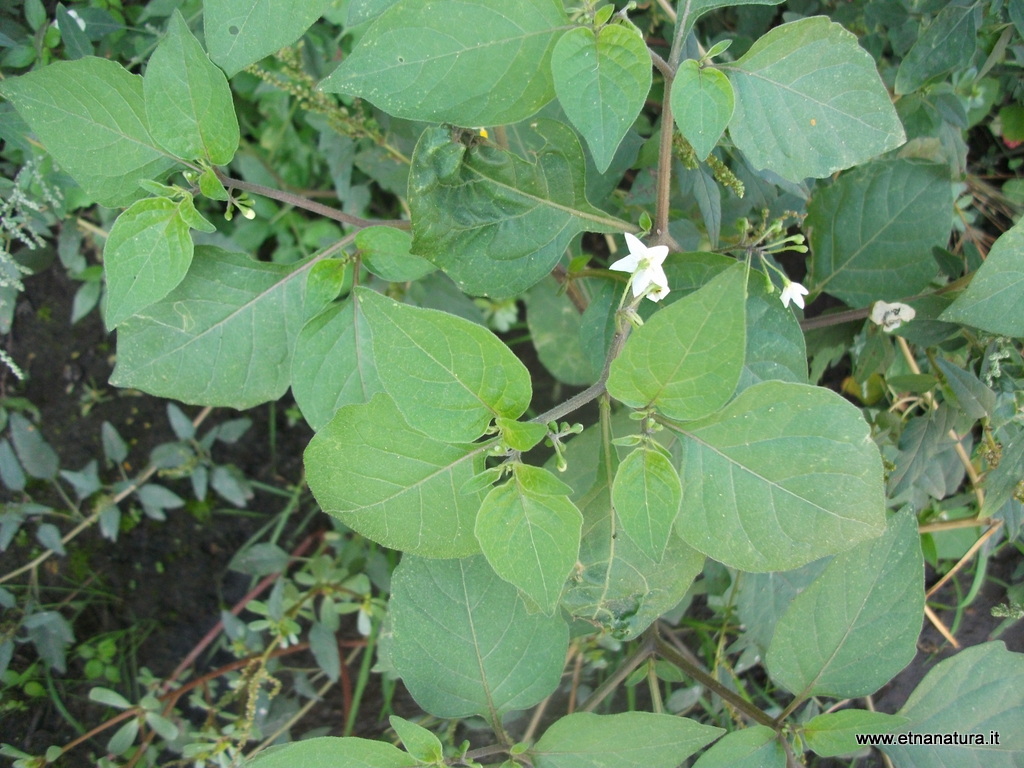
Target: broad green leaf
<point>449,376</point>
<point>495,223</point>
<point>694,9</point>
<point>798,118</point>
<point>618,586</point>
<point>418,741</point>
<point>754,747</point>
<point>686,360</point>
<point>785,474</point>
<point>331,752</point>
<point>978,691</point>
<point>464,642</point>
<point>873,230</point>
<point>973,397</point>
<point>602,82</point>
<point>393,484</point>
<point>994,301</point>
<point>646,494</point>
<point>146,255</point>
<point>188,100</point>
<point>520,435</point>
<point>241,32</point>
<point>834,733</point>
<point>224,336</point>
<point>762,599</point>
<point>948,43</point>
<point>1001,482</point>
<point>866,609</point>
<point>467,62</point>
<point>529,532</point>
<point>555,325</point>
<point>625,740</point>
<point>385,251</point>
<point>333,363</point>
<point>90,115</point>
<point>35,454</point>
<point>702,105</point>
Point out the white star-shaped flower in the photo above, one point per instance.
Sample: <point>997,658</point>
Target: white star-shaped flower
<point>891,316</point>
<point>645,265</point>
<point>793,292</point>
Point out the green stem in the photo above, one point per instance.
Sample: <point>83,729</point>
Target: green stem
<point>640,655</point>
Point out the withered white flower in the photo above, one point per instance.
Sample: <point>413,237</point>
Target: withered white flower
<point>645,265</point>
<point>794,292</point>
<point>891,316</point>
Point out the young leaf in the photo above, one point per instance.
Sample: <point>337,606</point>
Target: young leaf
<point>331,751</point>
<point>602,82</point>
<point>477,207</point>
<point>188,101</point>
<point>464,642</point>
<point>625,740</point>
<point>834,733</point>
<point>754,747</point>
<point>994,301</point>
<point>109,697</point>
<point>385,251</point>
<point>799,119</point>
<point>393,484</point>
<point>469,63</point>
<point>702,105</point>
<point>333,363</point>
<point>870,229</point>
<point>646,494</point>
<point>224,336</point>
<point>866,610</point>
<point>785,474</point>
<point>449,376</point>
<point>90,115</point>
<point>686,360</point>
<point>324,645</point>
<point>241,32</point>
<point>978,691</point>
<point>418,741</point>
<point>529,532</point>
<point>147,254</point>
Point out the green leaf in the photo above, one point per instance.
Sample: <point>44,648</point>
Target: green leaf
<point>799,119</point>
<point>464,642</point>
<point>625,740</point>
<point>146,255</point>
<point>647,494</point>
<point>241,32</point>
<point>393,484</point>
<point>785,474</point>
<point>385,251</point>
<point>994,301</point>
<point>973,397</point>
<point>467,62</point>
<point>109,697</point>
<point>418,741</point>
<point>762,599</point>
<point>331,752</point>
<point>333,363</point>
<point>555,326</point>
<point>495,223</point>
<point>123,737</point>
<point>694,9</point>
<point>754,747</point>
<point>866,609</point>
<point>530,535</point>
<point>618,586</point>
<point>520,435</point>
<point>948,43</point>
<point>602,82</point>
<point>188,101</point>
<point>36,455</point>
<point>776,349</point>
<point>872,230</point>
<point>834,733</point>
<point>702,105</point>
<point>978,691</point>
<point>449,376</point>
<point>91,116</point>
<point>224,336</point>
<point>686,360</point>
